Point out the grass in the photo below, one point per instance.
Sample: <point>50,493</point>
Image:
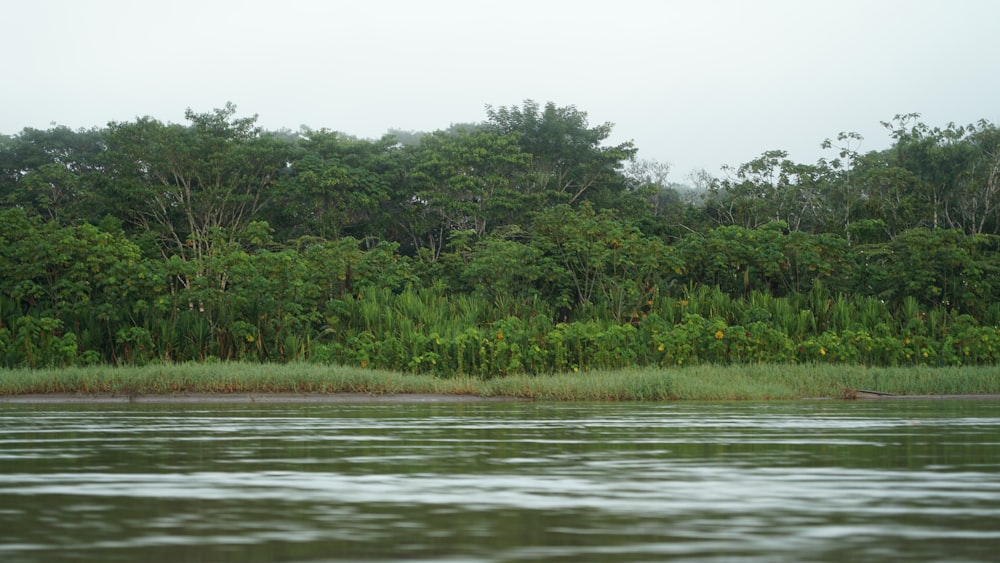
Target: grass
<point>737,382</point>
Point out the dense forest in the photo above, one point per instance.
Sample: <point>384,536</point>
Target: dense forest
<point>522,244</point>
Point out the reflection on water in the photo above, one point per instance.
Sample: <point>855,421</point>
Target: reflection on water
<point>818,481</point>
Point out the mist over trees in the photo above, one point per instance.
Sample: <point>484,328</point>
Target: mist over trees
<point>524,243</point>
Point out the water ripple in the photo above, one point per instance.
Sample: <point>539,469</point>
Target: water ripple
<point>796,481</point>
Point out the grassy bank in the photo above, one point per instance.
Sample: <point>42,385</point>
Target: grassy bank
<point>747,382</point>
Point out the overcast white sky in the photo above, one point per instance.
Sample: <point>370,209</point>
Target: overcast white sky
<point>697,84</point>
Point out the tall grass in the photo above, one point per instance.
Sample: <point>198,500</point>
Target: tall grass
<point>704,382</point>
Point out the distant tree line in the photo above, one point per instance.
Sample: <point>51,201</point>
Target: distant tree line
<point>524,243</point>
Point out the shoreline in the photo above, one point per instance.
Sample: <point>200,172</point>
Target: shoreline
<point>366,398</point>
<point>248,398</point>
<point>315,383</point>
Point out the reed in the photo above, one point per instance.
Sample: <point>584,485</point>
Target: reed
<point>701,382</point>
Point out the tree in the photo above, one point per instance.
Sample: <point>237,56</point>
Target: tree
<point>569,162</point>
<point>939,159</point>
<point>334,185</point>
<point>463,181</point>
<point>86,281</point>
<point>194,185</point>
<point>886,195</point>
<point>750,196</point>
<point>56,173</point>
<point>936,267</point>
<point>976,207</point>
<point>604,261</point>
<point>842,195</point>
<point>649,177</point>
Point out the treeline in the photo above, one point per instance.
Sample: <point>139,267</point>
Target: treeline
<point>523,243</point>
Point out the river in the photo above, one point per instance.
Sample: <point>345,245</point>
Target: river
<point>909,480</point>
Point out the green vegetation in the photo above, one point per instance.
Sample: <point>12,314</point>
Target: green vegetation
<point>520,247</point>
<point>734,382</point>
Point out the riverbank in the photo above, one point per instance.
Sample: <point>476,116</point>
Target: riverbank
<point>314,382</point>
<point>346,398</point>
<point>232,398</point>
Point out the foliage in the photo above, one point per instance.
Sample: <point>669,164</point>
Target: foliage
<point>521,246</point>
<point>569,161</point>
<point>334,186</point>
<point>194,185</point>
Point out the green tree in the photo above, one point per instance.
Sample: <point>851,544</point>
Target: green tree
<point>842,195</point>
<point>940,160</point>
<point>57,173</point>
<point>462,181</point>
<point>773,188</point>
<point>198,184</point>
<point>335,185</point>
<point>886,195</point>
<point>770,259</point>
<point>605,263</point>
<point>976,206</point>
<point>90,282</point>
<point>569,160</point>
<point>937,267</point>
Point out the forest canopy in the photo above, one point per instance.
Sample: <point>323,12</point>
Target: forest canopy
<point>526,243</point>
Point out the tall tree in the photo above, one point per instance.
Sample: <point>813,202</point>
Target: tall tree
<point>569,161</point>
<point>56,173</point>
<point>335,185</point>
<point>750,196</point>
<point>463,181</point>
<point>976,205</point>
<point>198,184</point>
<point>940,160</point>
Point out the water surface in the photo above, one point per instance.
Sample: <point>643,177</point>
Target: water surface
<point>781,481</point>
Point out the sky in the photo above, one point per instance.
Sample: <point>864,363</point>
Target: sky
<point>696,84</point>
